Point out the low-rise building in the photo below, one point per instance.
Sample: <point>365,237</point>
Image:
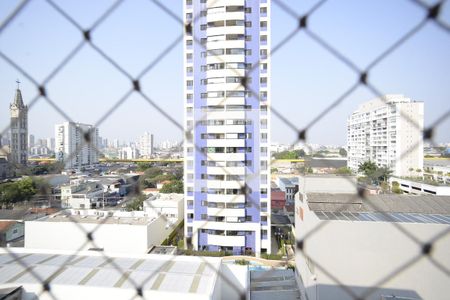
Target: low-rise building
<point>10,231</point>
<point>82,195</point>
<point>438,173</point>
<point>327,184</point>
<point>289,185</point>
<point>277,199</point>
<point>93,275</point>
<point>5,168</point>
<point>113,231</point>
<point>421,187</point>
<point>325,165</point>
<point>372,248</point>
<point>170,206</point>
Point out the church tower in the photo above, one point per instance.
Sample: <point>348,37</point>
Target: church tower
<point>19,130</point>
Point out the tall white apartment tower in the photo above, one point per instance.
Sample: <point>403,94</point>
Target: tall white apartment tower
<point>226,100</point>
<point>76,144</point>
<point>388,132</point>
<point>146,145</point>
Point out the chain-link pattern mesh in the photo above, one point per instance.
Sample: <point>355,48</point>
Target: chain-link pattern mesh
<point>362,79</point>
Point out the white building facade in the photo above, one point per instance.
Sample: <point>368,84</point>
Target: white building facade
<point>146,145</point>
<point>227,92</point>
<point>388,132</point>
<point>114,231</point>
<point>353,253</point>
<point>76,144</point>
<point>128,153</point>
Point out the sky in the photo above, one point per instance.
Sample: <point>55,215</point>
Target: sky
<point>306,78</point>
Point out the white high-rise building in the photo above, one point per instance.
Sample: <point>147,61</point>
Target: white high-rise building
<point>128,153</point>
<point>388,132</point>
<point>146,145</point>
<point>227,95</point>
<point>76,144</point>
<point>51,144</point>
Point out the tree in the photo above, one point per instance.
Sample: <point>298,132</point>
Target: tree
<point>396,187</point>
<point>368,168</point>
<point>175,186</point>
<point>383,174</point>
<point>14,192</point>
<point>342,152</point>
<point>300,153</point>
<point>344,171</point>
<point>136,204</point>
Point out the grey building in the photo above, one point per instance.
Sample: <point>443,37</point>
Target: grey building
<point>19,130</point>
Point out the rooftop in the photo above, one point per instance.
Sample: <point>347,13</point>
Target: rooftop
<point>154,273</point>
<point>101,218</point>
<point>384,207</point>
<point>326,163</point>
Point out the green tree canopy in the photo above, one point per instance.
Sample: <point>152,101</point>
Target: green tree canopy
<point>175,186</point>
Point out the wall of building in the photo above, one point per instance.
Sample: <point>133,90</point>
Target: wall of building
<point>418,188</point>
<point>111,237</point>
<point>327,184</point>
<point>363,253</point>
<point>232,282</point>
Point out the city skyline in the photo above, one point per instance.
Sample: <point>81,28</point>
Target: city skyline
<point>417,69</point>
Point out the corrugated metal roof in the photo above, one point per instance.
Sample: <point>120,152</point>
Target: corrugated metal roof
<point>153,272</point>
<point>422,204</point>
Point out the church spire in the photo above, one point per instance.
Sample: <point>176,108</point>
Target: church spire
<point>18,101</point>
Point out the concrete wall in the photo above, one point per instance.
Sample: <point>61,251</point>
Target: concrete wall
<point>111,237</point>
<point>16,231</point>
<point>361,254</point>
<point>419,188</point>
<point>232,281</point>
<point>327,184</point>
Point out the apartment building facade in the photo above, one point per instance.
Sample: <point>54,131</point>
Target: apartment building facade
<point>227,92</point>
<point>76,144</point>
<point>388,132</point>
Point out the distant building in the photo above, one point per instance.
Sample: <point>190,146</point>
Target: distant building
<point>19,130</point>
<point>5,168</point>
<point>128,153</point>
<point>359,244</point>
<point>421,187</point>
<point>146,145</point>
<point>169,205</point>
<point>277,199</point>
<point>51,144</point>
<point>289,185</point>
<point>10,231</point>
<point>325,165</point>
<point>84,195</point>
<point>76,144</point>
<point>388,132</point>
<point>31,140</point>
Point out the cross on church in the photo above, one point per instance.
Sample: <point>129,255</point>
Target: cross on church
<point>18,83</point>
